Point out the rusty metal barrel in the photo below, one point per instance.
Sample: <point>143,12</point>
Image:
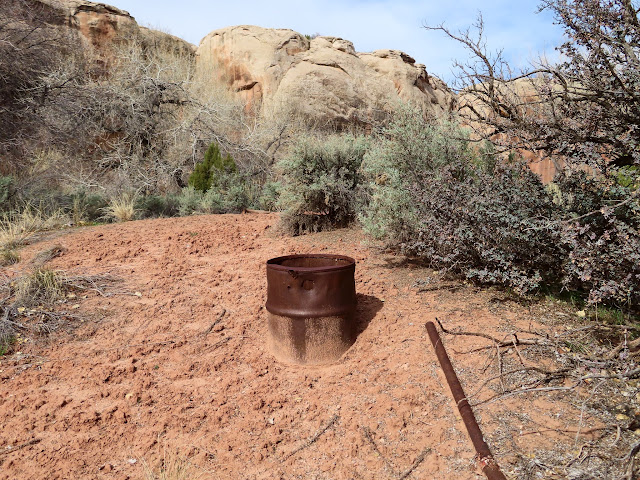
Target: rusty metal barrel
<point>311,303</point>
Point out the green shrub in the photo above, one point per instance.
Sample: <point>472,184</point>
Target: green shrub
<point>235,198</point>
<point>189,200</point>
<point>227,195</point>
<point>406,149</point>
<point>156,206</point>
<point>83,206</point>
<point>601,232</point>
<point>321,183</point>
<point>212,202</point>
<point>467,213</point>
<point>434,198</point>
<point>269,195</point>
<point>205,173</point>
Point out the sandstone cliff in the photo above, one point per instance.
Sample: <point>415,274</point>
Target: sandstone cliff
<point>102,26</point>
<point>323,78</point>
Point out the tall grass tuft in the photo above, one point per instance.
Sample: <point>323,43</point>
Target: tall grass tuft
<point>122,208</point>
<point>43,286</point>
<point>17,229</point>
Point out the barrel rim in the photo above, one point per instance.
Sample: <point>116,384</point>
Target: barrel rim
<point>275,263</point>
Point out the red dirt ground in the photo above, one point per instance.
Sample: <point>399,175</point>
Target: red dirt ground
<point>141,375</point>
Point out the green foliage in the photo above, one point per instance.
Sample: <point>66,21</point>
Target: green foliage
<point>207,172</point>
<point>269,195</point>
<point>85,206</point>
<point>229,194</point>
<point>321,183</point>
<point>434,198</point>
<point>189,200</point>
<point>601,232</point>
<point>407,148</point>
<point>470,214</point>
<point>156,206</point>
<point>629,177</point>
<point>6,343</point>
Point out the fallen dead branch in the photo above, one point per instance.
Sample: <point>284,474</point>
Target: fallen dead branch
<point>366,433</point>
<point>216,322</point>
<point>314,438</point>
<point>630,458</point>
<point>368,436</point>
<point>419,459</point>
<point>18,447</point>
<point>499,343</point>
<point>97,283</point>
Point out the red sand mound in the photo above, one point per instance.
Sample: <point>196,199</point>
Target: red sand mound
<point>147,374</point>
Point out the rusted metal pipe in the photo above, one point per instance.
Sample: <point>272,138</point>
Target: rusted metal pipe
<point>485,459</point>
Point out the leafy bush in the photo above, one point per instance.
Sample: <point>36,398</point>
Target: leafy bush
<point>321,183</point>
<point>84,207</point>
<point>156,206</point>
<point>227,195</point>
<point>434,198</point>
<point>407,148</point>
<point>232,189</point>
<point>189,200</point>
<point>466,213</point>
<point>269,195</point>
<point>205,173</point>
<point>492,228</point>
<point>602,235</point>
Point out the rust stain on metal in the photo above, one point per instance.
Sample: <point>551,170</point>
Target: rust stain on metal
<point>311,300</point>
<point>485,459</point>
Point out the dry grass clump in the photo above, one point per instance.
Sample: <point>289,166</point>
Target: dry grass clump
<point>38,301</point>
<point>171,467</point>
<point>17,229</point>
<point>8,256</point>
<point>122,209</point>
<point>43,286</point>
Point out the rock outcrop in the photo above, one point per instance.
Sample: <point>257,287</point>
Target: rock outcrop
<point>323,78</point>
<point>102,26</point>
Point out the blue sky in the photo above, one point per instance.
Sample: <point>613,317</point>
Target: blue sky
<point>513,26</point>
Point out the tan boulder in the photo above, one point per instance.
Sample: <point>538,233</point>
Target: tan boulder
<point>324,78</point>
<point>103,26</point>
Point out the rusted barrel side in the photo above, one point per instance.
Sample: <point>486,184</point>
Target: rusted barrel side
<point>311,300</point>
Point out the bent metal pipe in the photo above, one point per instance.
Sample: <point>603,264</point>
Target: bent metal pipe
<point>487,463</point>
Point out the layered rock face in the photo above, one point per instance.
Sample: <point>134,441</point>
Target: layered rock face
<point>323,78</point>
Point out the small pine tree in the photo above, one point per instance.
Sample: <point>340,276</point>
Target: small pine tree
<point>205,173</point>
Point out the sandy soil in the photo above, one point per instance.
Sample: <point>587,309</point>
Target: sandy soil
<point>139,377</point>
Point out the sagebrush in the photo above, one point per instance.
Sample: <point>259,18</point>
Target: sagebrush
<point>321,182</point>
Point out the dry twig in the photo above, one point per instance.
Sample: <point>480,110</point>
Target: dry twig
<point>217,320</point>
<point>313,439</point>
<point>18,447</point>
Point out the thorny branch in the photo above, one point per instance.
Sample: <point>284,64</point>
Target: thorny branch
<point>574,371</point>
